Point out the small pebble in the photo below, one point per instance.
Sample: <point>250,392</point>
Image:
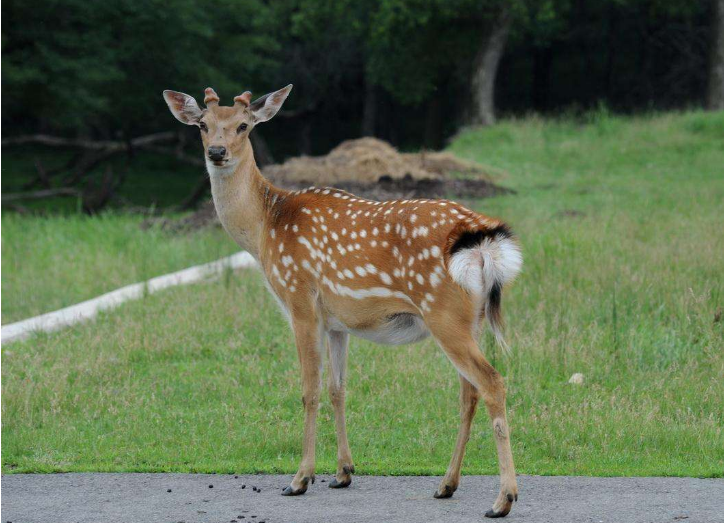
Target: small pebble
<point>576,379</point>
<point>236,477</point>
<point>324,481</point>
<point>169,490</point>
<point>243,486</point>
<point>258,490</point>
<point>211,486</point>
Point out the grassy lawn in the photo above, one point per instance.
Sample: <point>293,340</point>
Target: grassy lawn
<point>620,219</point>
<point>53,262</point>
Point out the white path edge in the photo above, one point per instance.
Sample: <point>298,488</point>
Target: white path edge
<point>89,309</point>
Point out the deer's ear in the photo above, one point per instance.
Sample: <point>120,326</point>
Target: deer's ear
<point>268,105</point>
<point>183,107</point>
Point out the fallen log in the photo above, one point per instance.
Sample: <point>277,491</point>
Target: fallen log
<point>39,195</point>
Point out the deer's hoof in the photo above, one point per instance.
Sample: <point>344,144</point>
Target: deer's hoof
<point>340,484</point>
<point>502,505</point>
<point>446,492</point>
<point>494,514</point>
<point>289,491</point>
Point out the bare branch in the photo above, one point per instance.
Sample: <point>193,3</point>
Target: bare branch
<point>105,145</point>
<point>39,195</point>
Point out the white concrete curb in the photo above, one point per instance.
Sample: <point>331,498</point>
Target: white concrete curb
<point>88,310</point>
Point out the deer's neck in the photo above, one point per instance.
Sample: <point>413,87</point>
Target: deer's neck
<point>240,194</point>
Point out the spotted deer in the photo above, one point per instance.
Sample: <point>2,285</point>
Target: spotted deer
<point>393,272</point>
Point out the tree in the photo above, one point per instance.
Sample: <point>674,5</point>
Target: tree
<point>99,67</point>
<point>485,68</point>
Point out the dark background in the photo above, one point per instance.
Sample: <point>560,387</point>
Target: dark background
<point>400,70</point>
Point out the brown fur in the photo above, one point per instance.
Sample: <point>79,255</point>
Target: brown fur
<point>333,260</point>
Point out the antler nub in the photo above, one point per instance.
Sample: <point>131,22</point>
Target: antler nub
<point>210,97</point>
<point>243,99</point>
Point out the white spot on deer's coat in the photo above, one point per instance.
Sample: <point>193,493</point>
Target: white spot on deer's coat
<point>434,279</point>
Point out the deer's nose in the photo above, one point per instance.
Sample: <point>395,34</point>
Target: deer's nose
<point>217,152</point>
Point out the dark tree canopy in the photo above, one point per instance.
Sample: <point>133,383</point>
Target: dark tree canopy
<point>404,67</point>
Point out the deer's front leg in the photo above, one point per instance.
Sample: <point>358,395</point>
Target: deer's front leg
<point>308,338</point>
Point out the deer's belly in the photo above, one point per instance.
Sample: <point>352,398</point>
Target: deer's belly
<point>397,329</point>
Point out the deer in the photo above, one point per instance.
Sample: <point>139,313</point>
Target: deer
<point>393,272</point>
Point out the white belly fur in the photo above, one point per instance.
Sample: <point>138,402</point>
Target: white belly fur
<point>399,330</point>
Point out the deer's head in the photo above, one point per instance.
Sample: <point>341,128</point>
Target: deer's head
<point>225,130</point>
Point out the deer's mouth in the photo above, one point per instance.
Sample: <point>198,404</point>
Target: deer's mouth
<point>220,163</point>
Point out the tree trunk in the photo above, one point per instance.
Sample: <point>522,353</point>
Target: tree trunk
<point>715,90</point>
<point>369,116</point>
<point>486,67</point>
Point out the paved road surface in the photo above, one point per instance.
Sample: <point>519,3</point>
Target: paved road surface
<point>144,498</point>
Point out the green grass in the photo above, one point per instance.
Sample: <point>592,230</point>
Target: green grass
<point>620,219</point>
<point>53,262</point>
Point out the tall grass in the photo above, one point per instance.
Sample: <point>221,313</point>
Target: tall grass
<point>53,262</point>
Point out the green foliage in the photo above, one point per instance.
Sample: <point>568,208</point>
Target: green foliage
<point>97,68</point>
<point>74,64</point>
<point>416,46</point>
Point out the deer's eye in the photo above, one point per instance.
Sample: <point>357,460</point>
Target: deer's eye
<point>241,128</point>
<point>204,127</point>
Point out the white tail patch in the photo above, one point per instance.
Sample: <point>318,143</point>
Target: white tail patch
<point>482,270</point>
<point>477,268</point>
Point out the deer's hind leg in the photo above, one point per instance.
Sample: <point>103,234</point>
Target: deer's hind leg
<point>337,346</point>
<point>454,333</point>
<point>469,397</point>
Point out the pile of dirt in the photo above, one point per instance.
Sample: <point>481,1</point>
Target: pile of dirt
<point>369,168</point>
<point>365,160</point>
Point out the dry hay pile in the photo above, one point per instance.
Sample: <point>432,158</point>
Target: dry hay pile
<point>366,160</point>
<point>363,161</point>
<point>370,168</point>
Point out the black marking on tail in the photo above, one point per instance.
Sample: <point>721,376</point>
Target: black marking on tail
<point>493,306</point>
<point>469,239</point>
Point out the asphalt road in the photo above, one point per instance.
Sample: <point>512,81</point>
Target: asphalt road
<point>145,498</point>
